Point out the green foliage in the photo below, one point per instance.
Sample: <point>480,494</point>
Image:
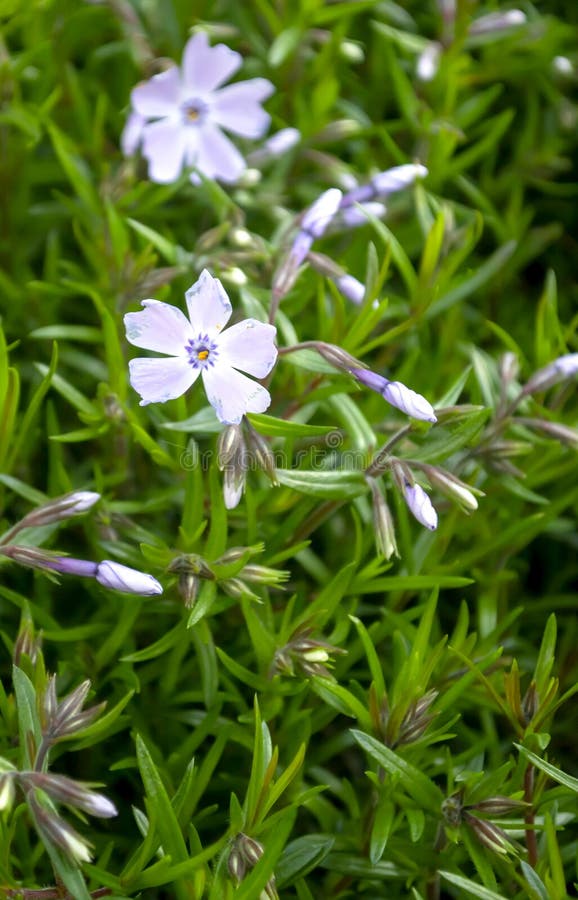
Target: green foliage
<point>313,708</point>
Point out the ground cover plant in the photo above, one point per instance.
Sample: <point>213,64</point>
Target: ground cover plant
<point>288,431</point>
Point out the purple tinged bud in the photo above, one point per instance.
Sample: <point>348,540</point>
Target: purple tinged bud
<point>121,578</point>
<point>370,379</point>
<point>361,194</point>
<point>74,793</point>
<point>496,22</point>
<point>351,288</point>
<point>397,178</point>
<point>420,505</point>
<point>282,141</point>
<point>320,214</point>
<point>355,216</point>
<point>396,393</point>
<point>559,370</point>
<point>408,401</point>
<point>68,566</point>
<point>337,357</point>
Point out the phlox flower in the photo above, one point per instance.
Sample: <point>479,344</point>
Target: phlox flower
<point>199,346</point>
<point>178,115</point>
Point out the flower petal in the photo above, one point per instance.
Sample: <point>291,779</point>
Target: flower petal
<point>238,107</point>
<point>204,67</point>
<point>160,96</point>
<point>163,145</point>
<point>232,394</point>
<point>216,156</point>
<point>132,133</point>
<point>159,380</point>
<point>249,346</point>
<point>208,305</point>
<point>159,327</point>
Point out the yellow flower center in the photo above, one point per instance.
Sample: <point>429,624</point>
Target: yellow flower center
<point>202,354</point>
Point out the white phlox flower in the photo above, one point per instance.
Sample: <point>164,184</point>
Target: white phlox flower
<point>199,346</point>
<point>178,115</point>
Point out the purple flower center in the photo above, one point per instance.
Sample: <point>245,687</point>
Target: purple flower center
<point>202,352</point>
<point>193,111</point>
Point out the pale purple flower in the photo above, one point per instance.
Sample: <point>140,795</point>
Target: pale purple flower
<point>132,133</point>
<point>420,505</point>
<point>183,111</point>
<point>397,394</point>
<point>199,346</point>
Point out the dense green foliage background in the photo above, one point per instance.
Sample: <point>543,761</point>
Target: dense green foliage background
<point>457,655</point>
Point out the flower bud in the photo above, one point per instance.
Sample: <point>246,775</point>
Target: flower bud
<point>337,357</point>
<point>319,215</point>
<point>74,793</point>
<point>58,832</point>
<point>491,836</point>
<point>263,454</point>
<point>408,401</point>
<point>428,61</point>
<point>229,442</point>
<point>233,485</point>
<point>277,145</point>
<point>420,505</point>
<point>360,214</point>
<point>396,179</point>
<point>496,22</point>
<point>451,486</point>
<point>121,578</point>
<point>382,522</point>
<point>73,504</point>
<point>351,288</point>
<point>499,806</point>
<point>559,370</point>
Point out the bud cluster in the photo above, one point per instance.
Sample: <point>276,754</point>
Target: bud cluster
<point>244,854</point>
<point>305,654</point>
<point>456,813</point>
<point>191,569</point>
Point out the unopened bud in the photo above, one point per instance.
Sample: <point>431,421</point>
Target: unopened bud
<point>491,836</point>
<point>73,504</point>
<point>337,357</point>
<point>499,806</point>
<point>428,61</point>
<point>452,487</point>
<point>121,578</point>
<point>74,793</point>
<point>263,454</point>
<point>229,442</point>
<point>233,485</point>
<point>319,215</point>
<point>351,288</point>
<point>560,369</point>
<point>359,215</point>
<point>562,433</point>
<point>265,575</point>
<point>382,522</point>
<point>418,502</point>
<point>494,23</point>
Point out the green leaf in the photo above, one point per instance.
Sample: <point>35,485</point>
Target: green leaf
<point>28,721</point>
<point>273,427</point>
<point>425,793</point>
<point>301,856</point>
<point>334,485</point>
<point>471,888</point>
<point>554,773</point>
